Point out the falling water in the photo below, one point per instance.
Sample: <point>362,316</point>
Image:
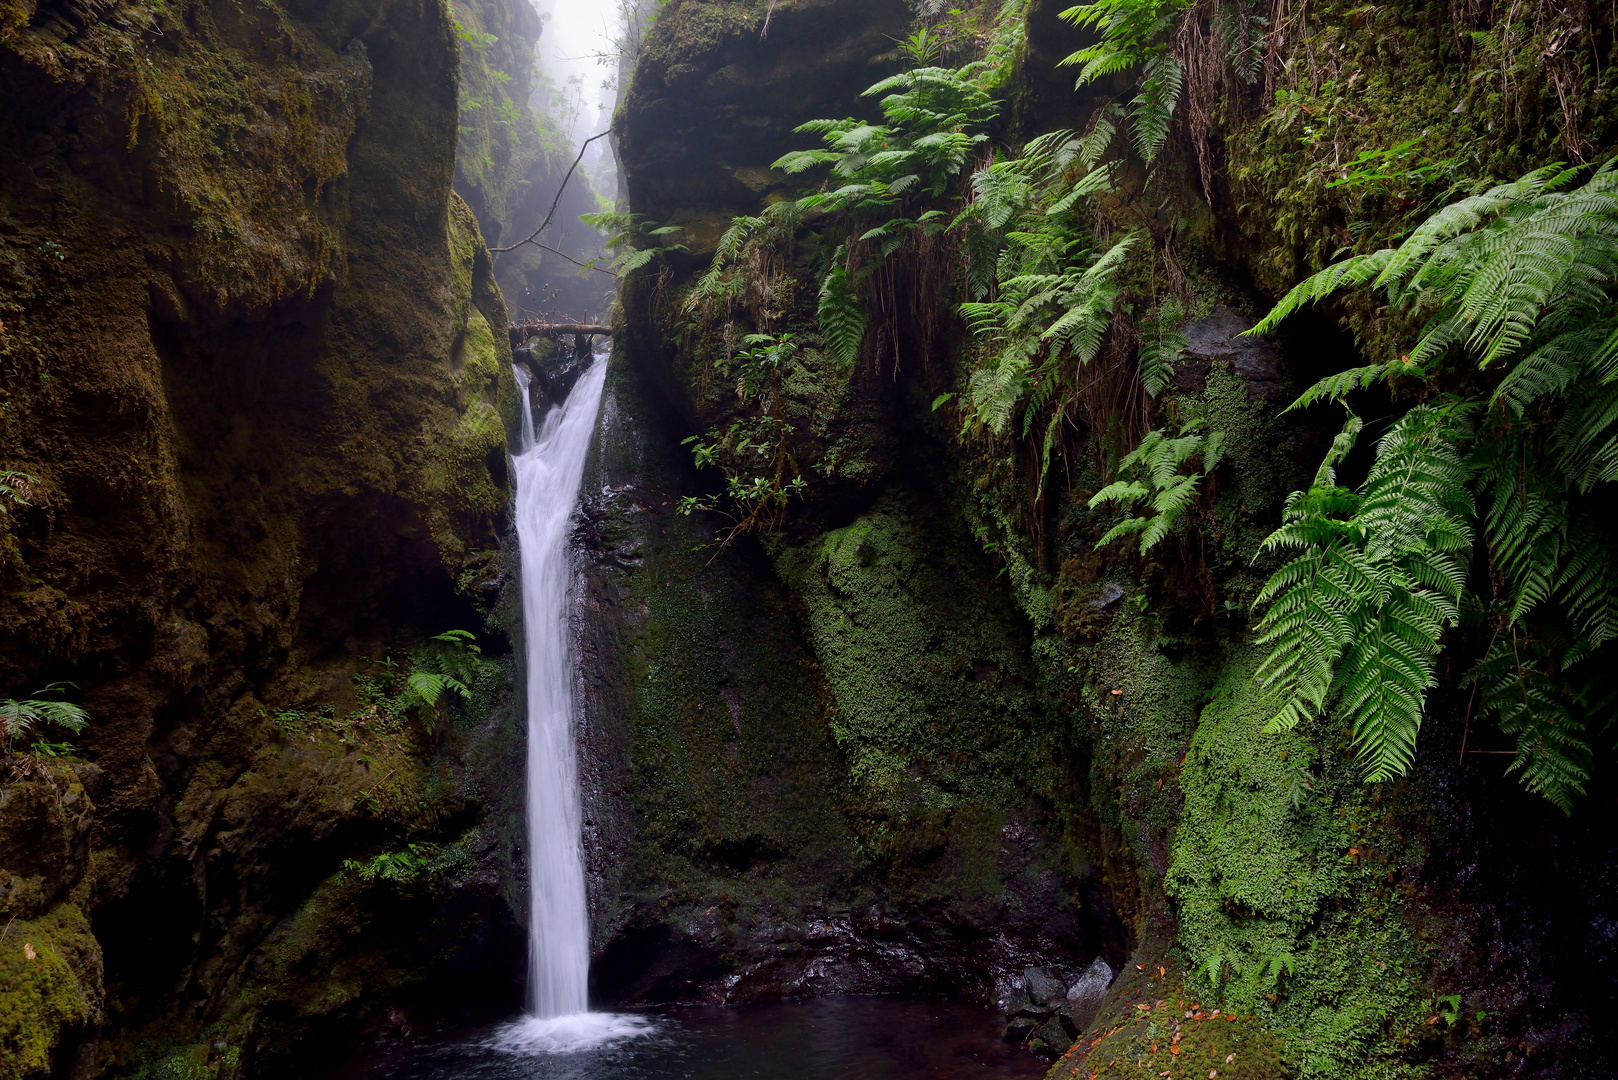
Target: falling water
<point>548,471</point>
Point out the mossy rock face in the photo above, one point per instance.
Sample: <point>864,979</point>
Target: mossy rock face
<point>715,98</point>
<point>50,989</point>
<point>255,360</point>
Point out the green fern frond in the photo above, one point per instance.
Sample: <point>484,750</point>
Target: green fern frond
<point>842,314</point>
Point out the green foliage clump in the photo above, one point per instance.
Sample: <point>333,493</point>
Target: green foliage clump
<point>1518,282</point>
<point>19,717</point>
<point>1135,34</point>
<point>633,238</point>
<point>415,862</point>
<point>882,174</point>
<point>752,445</point>
<point>1152,478</point>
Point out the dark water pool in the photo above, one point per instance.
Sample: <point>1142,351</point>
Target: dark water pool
<point>857,1038</point>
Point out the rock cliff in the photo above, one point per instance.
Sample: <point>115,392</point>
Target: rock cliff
<point>256,376</point>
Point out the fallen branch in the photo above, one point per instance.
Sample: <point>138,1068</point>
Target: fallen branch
<point>533,236</point>
<point>581,332</point>
<point>562,328</point>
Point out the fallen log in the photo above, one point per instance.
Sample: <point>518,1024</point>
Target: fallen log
<point>563,328</point>
<point>580,332</point>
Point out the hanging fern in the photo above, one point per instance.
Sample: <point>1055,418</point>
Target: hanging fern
<point>1153,108</point>
<point>1054,317</point>
<point>842,315</point>
<point>1134,34</point>
<point>1518,279</point>
<point>1153,480</point>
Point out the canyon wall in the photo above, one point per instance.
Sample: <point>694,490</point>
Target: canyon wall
<point>255,372</point>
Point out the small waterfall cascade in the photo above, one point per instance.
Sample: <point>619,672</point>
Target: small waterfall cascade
<point>548,470</point>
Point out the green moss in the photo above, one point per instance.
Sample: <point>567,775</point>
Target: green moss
<point>936,707</point>
<point>1279,913</point>
<point>50,984</point>
<point>928,672</point>
<point>461,498</point>
<point>1484,100</point>
<point>1153,1023</point>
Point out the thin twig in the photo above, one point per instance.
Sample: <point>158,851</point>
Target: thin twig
<point>556,201</point>
<point>575,262</point>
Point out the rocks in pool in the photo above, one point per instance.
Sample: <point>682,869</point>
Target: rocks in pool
<point>1048,1016</point>
<point>1043,987</point>
<point>1084,997</point>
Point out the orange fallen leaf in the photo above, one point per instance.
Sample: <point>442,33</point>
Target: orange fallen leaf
<point>1174,1049</point>
<point>1432,1020</point>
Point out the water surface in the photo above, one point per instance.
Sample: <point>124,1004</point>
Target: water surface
<point>847,1038</point>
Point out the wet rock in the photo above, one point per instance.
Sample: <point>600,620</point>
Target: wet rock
<point>1084,997</point>
<point>1108,595</point>
<point>554,369</point>
<point>1218,339</point>
<point>1043,987</point>
<point>1020,1030</point>
<point>1050,1039</point>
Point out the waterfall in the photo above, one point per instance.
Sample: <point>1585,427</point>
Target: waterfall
<point>548,469</point>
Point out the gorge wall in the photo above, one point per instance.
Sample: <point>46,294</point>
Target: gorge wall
<point>1017,749</point>
<point>255,371</point>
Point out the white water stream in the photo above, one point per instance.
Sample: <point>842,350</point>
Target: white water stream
<point>548,470</point>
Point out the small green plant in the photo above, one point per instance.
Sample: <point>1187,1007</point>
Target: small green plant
<point>475,38</point>
<point>19,717</point>
<point>448,663</point>
<point>1449,1009</point>
<point>398,867</point>
<point>16,487</point>
<point>42,748</point>
<point>761,476</point>
<point>1152,479</point>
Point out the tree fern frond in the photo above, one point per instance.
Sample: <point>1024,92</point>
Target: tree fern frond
<point>842,315</point>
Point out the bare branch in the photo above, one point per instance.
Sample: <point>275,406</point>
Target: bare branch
<point>575,262</point>
<point>554,202</point>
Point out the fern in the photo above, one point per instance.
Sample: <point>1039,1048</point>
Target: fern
<point>842,316</point>
<point>1048,317</point>
<point>1358,612</point>
<point>1517,279</point>
<point>1153,480</point>
<point>1153,108</point>
<point>18,718</point>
